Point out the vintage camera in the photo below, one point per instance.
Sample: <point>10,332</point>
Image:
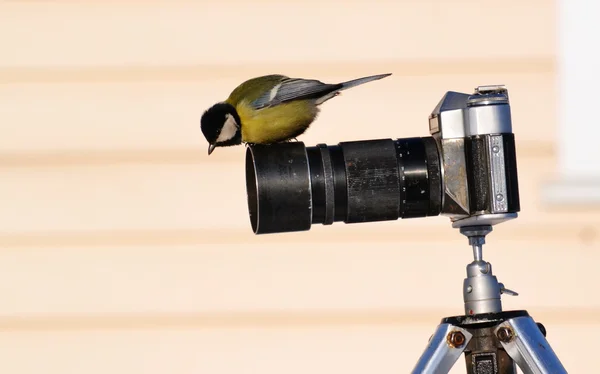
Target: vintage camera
<point>466,170</point>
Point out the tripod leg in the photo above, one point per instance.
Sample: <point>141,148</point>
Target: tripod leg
<point>527,346</point>
<point>444,348</point>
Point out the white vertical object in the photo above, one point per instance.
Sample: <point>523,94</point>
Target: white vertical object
<point>578,141</point>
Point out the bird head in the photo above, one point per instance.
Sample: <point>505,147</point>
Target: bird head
<point>221,126</point>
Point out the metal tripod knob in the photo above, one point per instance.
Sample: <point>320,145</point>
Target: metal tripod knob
<point>506,291</point>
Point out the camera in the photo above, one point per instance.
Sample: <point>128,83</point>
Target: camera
<point>466,170</point>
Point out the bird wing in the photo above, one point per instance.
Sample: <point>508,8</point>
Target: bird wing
<point>254,88</point>
<point>294,89</point>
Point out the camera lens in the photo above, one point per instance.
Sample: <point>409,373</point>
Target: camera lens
<point>290,186</point>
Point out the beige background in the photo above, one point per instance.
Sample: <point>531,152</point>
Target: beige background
<point>124,248</point>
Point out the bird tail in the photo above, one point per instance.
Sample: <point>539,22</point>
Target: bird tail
<point>359,81</point>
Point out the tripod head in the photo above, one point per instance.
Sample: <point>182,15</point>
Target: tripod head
<point>481,289</point>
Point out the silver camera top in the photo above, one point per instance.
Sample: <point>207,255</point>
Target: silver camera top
<point>458,115</point>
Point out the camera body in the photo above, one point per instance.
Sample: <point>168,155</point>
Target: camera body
<point>465,170</point>
<point>478,155</point>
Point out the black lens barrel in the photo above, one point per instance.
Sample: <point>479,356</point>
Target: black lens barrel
<point>278,187</point>
<point>291,186</point>
<point>421,177</point>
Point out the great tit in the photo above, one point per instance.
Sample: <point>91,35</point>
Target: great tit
<point>269,109</point>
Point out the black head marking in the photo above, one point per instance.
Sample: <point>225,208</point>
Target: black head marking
<point>212,122</point>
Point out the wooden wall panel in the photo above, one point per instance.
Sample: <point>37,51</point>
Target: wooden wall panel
<point>351,349</point>
<point>124,248</point>
<point>59,34</point>
<point>88,117</point>
<point>254,282</point>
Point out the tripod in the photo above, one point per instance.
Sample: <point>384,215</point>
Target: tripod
<point>491,339</point>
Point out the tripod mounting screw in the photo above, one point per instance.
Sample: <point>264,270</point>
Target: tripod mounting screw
<point>456,339</point>
<point>505,335</point>
<point>477,232</point>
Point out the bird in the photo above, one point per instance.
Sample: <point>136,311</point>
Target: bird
<point>270,109</point>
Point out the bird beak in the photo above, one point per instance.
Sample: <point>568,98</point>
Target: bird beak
<point>211,148</point>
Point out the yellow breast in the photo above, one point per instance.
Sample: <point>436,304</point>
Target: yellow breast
<point>277,124</point>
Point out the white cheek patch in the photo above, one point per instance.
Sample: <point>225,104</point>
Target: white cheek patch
<point>229,129</point>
